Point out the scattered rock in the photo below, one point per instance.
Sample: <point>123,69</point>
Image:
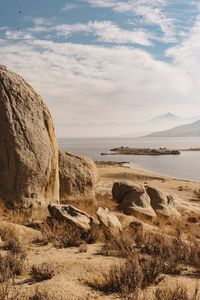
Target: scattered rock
<point>163,205</point>
<point>78,176</point>
<point>71,215</point>
<point>28,152</point>
<point>132,199</point>
<point>109,221</point>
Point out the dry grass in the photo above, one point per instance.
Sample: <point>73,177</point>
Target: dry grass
<point>177,293</point>
<point>10,266</point>
<point>42,294</point>
<point>174,250</point>
<point>41,273</point>
<point>129,277</point>
<point>122,245</point>
<point>8,291</point>
<point>61,235</point>
<point>20,217</point>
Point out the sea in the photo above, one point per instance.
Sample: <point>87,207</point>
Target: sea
<point>183,166</point>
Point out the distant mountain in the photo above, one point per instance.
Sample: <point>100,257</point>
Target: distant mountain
<point>187,130</point>
<point>166,117</point>
<point>162,122</point>
<point>117,129</point>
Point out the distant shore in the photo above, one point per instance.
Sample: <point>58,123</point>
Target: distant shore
<point>147,151</point>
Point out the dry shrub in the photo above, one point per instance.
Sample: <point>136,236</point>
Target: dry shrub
<point>122,245</point>
<point>41,273</point>
<point>9,267</point>
<point>129,277</point>
<point>13,262</point>
<point>96,234</point>
<point>61,235</point>
<point>177,293</point>
<point>21,217</point>
<point>173,250</point>
<point>106,200</point>
<point>42,294</point>
<point>8,291</point>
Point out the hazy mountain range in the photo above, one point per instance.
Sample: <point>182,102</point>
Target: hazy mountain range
<point>129,129</point>
<point>187,130</point>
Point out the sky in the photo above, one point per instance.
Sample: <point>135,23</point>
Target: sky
<point>105,61</point>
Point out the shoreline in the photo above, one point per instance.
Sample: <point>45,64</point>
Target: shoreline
<point>151,173</point>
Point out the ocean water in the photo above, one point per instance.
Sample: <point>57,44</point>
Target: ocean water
<point>184,166</point>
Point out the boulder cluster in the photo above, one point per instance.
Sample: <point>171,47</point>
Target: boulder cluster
<point>134,199</point>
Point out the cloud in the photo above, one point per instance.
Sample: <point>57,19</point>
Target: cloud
<point>186,55</point>
<point>85,83</point>
<point>151,12</point>
<point>106,31</point>
<point>69,6</point>
<point>102,31</point>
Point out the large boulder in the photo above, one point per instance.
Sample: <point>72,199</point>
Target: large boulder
<point>77,175</point>
<point>162,204</point>
<point>132,199</point>
<point>70,215</point>
<point>28,147</point>
<point>109,221</point>
<point>22,233</point>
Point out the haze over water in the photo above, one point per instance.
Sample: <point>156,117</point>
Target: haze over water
<point>185,166</point>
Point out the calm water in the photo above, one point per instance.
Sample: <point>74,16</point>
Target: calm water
<point>186,165</point>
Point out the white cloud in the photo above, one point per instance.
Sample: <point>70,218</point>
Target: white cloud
<point>69,6</point>
<point>151,12</point>
<point>84,83</point>
<point>187,55</point>
<point>106,31</point>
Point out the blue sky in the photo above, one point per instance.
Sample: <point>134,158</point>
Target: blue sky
<point>97,61</point>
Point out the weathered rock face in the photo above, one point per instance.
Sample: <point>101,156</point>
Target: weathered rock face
<point>71,215</point>
<point>109,221</point>
<point>161,203</point>
<point>77,175</point>
<point>28,147</point>
<point>132,199</point>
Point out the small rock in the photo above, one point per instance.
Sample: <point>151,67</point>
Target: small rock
<point>72,215</point>
<point>109,221</point>
<point>162,204</point>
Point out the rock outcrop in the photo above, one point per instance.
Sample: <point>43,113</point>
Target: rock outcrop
<point>28,153</point>
<point>70,215</point>
<point>109,221</point>
<point>162,204</point>
<point>22,233</point>
<point>132,199</point>
<point>77,175</point>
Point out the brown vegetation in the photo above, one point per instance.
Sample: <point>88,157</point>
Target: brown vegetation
<point>61,235</point>
<point>127,278</point>
<point>41,273</point>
